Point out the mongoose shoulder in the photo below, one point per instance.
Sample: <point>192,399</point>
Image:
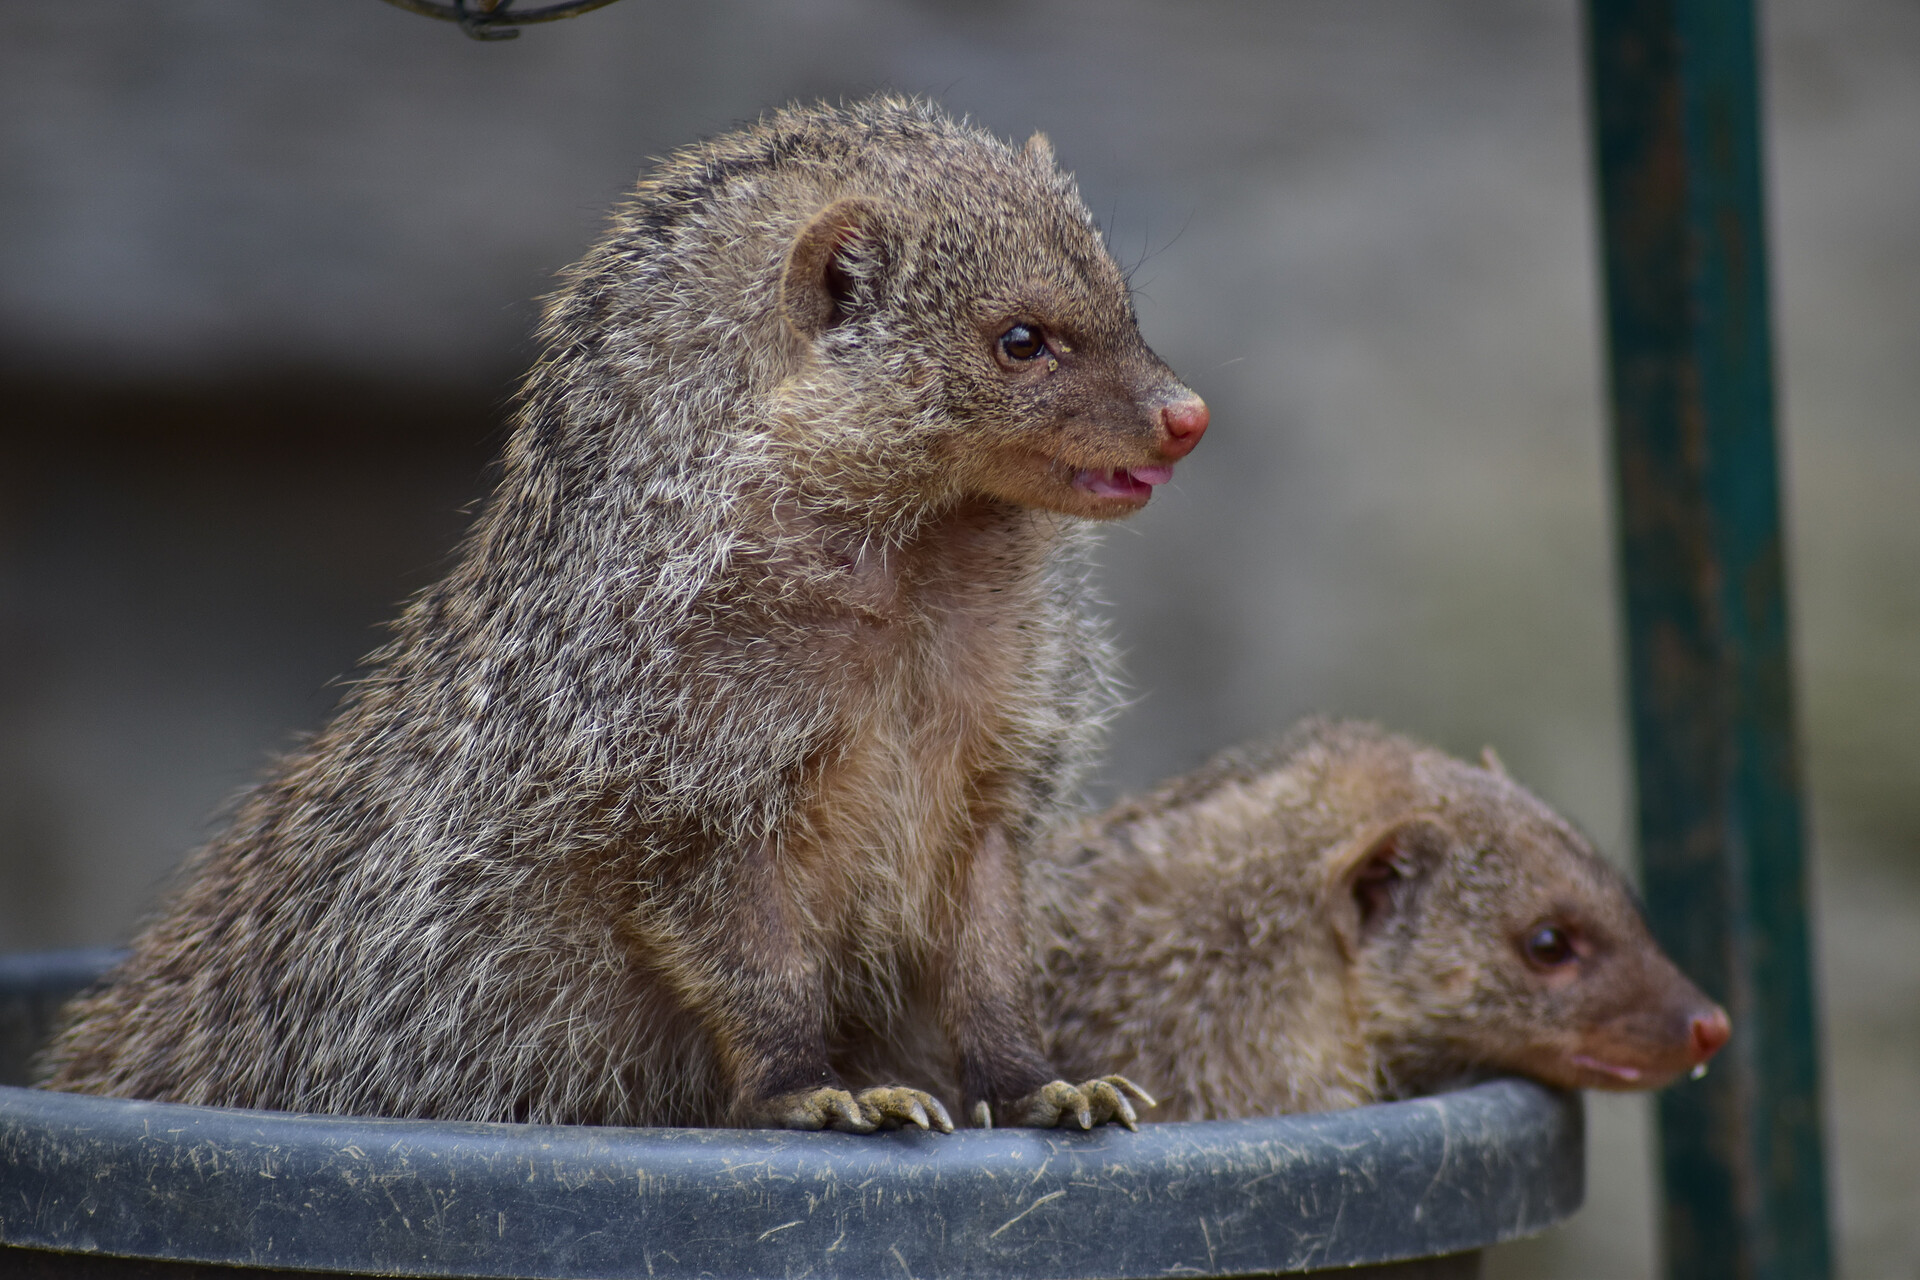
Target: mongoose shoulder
<point>717,755</point>
<point>1344,917</point>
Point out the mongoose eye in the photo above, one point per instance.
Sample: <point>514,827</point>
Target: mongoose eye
<point>1022,342</point>
<point>1548,946</point>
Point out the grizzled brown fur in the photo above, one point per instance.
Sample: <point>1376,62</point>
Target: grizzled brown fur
<point>717,756</point>
<point>1345,917</point>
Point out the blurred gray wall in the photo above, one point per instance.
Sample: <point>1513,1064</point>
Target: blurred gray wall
<point>266,274</point>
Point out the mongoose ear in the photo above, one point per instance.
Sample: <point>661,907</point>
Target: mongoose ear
<point>816,292</point>
<point>1379,875</point>
<point>1039,152</point>
<point>1491,762</point>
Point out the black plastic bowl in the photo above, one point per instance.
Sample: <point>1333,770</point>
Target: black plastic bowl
<point>1432,1178</point>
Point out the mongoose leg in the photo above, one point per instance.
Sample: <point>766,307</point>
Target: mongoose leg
<point>759,993</point>
<point>767,1011</point>
<point>988,1009</point>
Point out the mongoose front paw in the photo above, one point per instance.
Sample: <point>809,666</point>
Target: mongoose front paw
<point>1059,1103</point>
<point>893,1107</point>
<point>829,1107</point>
<point>888,1107</point>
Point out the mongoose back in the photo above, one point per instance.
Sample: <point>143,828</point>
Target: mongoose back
<point>1345,917</point>
<point>716,757</point>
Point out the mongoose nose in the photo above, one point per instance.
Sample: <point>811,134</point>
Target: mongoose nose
<point>1185,421</point>
<point>1710,1031</point>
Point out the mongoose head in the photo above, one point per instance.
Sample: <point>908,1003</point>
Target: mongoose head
<point>960,289</point>
<point>1484,934</point>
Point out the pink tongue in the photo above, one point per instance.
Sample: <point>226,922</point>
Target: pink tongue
<point>1121,482</point>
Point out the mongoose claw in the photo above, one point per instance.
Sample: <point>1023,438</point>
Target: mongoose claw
<point>829,1107</point>
<point>1108,1096</point>
<point>823,1108</point>
<point>893,1107</point>
<point>1059,1104</point>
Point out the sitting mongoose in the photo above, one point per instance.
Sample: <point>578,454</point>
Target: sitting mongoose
<point>1344,917</point>
<point>718,754</point>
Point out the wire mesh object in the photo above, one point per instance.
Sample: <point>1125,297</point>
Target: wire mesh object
<point>496,19</point>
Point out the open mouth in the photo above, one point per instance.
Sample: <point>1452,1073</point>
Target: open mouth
<point>1122,482</point>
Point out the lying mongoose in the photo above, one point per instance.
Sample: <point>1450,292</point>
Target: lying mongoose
<point>1345,917</point>
<point>717,756</point>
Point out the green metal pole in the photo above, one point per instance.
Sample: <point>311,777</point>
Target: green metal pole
<point>1676,120</point>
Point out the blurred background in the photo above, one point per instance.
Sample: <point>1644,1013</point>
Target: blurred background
<point>266,283</point>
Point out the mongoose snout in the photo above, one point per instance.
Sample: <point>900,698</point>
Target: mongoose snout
<point>1594,1002</point>
<point>1711,1031</point>
<point>1185,421</point>
<point>1182,424</point>
<point>1344,917</point>
<point>1632,1020</point>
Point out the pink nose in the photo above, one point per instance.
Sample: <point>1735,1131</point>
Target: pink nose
<point>1710,1031</point>
<point>1185,422</point>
